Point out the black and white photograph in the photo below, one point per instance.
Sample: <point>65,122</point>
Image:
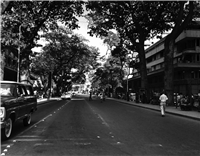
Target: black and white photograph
<point>100,78</point>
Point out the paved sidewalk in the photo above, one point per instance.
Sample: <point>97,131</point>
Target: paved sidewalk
<point>169,109</point>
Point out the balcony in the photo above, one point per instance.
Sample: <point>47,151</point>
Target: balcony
<point>187,65</point>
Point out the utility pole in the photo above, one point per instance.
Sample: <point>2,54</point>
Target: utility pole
<point>18,59</point>
<point>127,90</point>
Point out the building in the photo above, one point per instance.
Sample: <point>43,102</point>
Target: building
<point>9,64</point>
<point>186,64</point>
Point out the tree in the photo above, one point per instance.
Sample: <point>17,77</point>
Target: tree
<point>40,68</point>
<point>118,52</point>
<point>66,58</point>
<point>109,76</point>
<point>22,20</point>
<point>181,21</point>
<point>134,24</point>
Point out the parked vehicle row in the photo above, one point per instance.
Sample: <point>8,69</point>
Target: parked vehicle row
<point>18,102</point>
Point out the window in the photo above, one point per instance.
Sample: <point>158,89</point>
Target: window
<point>29,90</point>
<point>198,57</point>
<point>19,90</point>
<point>7,90</point>
<point>192,74</point>
<point>198,42</point>
<point>191,44</point>
<point>161,54</point>
<point>24,90</point>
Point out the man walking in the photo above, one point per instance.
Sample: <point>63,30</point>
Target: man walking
<point>90,97</point>
<point>163,99</point>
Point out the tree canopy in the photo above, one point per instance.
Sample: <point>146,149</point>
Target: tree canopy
<point>22,21</point>
<point>66,56</point>
<point>134,23</point>
<point>109,76</point>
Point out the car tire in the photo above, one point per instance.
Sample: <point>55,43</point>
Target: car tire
<point>27,120</point>
<point>7,130</point>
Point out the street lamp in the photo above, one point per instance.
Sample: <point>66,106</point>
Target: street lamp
<point>18,59</point>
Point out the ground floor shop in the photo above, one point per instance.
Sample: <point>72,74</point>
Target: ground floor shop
<point>186,82</point>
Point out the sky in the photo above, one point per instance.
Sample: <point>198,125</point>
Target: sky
<point>93,41</point>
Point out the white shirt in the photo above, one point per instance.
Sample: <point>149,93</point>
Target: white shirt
<point>163,98</point>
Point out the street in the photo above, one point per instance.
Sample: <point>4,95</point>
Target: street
<point>83,127</point>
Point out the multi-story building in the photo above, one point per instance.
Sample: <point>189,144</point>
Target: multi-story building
<point>186,64</point>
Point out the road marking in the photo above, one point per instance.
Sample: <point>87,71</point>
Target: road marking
<point>21,134</point>
<point>85,143</point>
<point>43,144</point>
<point>35,124</point>
<point>103,121</point>
<point>98,115</point>
<point>155,145</point>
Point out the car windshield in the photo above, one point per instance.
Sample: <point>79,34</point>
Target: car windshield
<point>7,90</point>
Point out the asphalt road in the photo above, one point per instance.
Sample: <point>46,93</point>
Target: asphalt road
<point>82,127</point>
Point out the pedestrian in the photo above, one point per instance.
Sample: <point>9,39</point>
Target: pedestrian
<point>101,97</point>
<point>178,100</point>
<point>90,98</point>
<point>163,100</point>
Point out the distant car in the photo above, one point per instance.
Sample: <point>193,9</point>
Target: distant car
<point>66,96</point>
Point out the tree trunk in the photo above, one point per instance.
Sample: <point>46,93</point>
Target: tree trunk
<point>143,72</point>
<point>180,25</point>
<point>2,65</point>
<point>169,69</point>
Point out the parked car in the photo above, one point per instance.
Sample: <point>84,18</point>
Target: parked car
<point>66,96</point>
<point>18,102</point>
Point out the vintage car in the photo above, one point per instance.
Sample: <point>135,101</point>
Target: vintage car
<point>18,102</point>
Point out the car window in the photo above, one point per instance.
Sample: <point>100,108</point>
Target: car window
<point>29,90</point>
<point>24,92</point>
<point>19,90</point>
<point>7,89</point>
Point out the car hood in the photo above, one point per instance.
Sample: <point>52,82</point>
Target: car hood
<point>5,99</point>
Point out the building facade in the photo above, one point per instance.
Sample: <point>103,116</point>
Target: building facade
<point>186,64</point>
<point>9,64</point>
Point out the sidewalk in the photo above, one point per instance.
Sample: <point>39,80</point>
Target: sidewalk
<point>169,109</point>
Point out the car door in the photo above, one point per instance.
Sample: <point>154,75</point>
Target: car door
<point>31,98</point>
<point>21,100</point>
